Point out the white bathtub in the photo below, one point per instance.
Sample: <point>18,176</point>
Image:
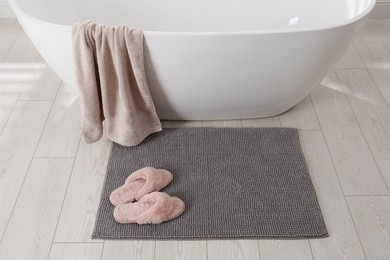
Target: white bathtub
<point>211,59</point>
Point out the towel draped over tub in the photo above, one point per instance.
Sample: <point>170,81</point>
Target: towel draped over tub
<point>112,84</point>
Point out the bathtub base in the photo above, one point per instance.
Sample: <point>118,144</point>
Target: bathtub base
<point>231,115</point>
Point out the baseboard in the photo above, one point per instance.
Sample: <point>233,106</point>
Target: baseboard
<point>381,10</point>
<point>5,10</point>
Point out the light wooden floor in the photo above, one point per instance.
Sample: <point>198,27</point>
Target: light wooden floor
<point>50,180</point>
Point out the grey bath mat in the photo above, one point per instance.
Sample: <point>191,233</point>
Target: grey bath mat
<point>235,183</point>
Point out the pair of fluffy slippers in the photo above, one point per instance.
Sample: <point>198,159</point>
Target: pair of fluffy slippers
<point>151,206</point>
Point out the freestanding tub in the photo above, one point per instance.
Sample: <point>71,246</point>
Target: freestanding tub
<point>211,59</point>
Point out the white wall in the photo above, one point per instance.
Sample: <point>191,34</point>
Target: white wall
<point>382,9</point>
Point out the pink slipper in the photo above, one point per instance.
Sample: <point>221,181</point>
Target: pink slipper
<point>153,208</point>
<point>139,183</point>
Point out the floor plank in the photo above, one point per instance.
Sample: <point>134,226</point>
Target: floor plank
<point>351,60</point>
<point>9,31</point>
<point>181,250</point>
<point>14,74</point>
<point>128,250</point>
<point>61,135</point>
<point>302,116</point>
<point>82,199</point>
<point>372,219</point>
<point>40,199</point>
<point>17,145</point>
<point>374,47</point>
<point>352,158</point>
<point>384,30</point>
<point>45,84</point>
<point>285,250</point>
<point>372,113</point>
<point>179,124</point>
<point>23,47</point>
<point>233,250</point>
<point>82,251</point>
<point>261,122</point>
<point>221,123</point>
<point>343,242</point>
<point>382,80</point>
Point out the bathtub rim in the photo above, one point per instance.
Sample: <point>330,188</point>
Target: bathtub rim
<point>369,8</point>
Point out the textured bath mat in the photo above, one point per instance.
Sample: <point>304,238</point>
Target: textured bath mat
<point>235,183</point>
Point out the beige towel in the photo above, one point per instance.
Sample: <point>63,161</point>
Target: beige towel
<point>112,84</point>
